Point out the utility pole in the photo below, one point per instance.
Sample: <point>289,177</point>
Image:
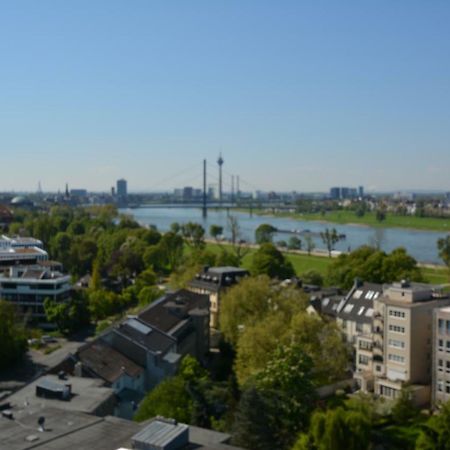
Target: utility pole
<point>220,163</point>
<point>204,209</point>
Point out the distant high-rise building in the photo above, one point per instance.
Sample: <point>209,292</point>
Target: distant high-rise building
<point>361,192</point>
<point>335,193</point>
<point>121,188</point>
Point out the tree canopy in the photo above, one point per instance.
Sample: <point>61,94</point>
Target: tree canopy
<point>374,266</point>
<point>12,336</point>
<point>268,260</point>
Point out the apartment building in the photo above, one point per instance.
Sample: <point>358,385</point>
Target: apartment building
<point>28,286</point>
<point>441,356</point>
<point>399,348</point>
<point>214,281</point>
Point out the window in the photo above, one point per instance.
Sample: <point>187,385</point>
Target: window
<point>397,313</point>
<point>396,358</point>
<point>397,329</point>
<point>447,324</point>
<point>441,326</point>
<point>440,385</point>
<point>447,387</point>
<point>440,365</point>
<point>447,366</point>
<point>396,343</point>
<point>348,308</point>
<point>447,346</point>
<point>363,359</point>
<point>441,345</point>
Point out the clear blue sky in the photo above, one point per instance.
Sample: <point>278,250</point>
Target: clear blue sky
<point>298,95</point>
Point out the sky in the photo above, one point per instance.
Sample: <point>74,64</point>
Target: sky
<point>297,95</point>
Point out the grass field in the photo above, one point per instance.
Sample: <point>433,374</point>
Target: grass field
<point>392,220</point>
<point>302,263</point>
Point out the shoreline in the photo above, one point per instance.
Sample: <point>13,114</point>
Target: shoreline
<point>299,217</point>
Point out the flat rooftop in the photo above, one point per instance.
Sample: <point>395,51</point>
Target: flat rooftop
<point>87,395</point>
<point>64,430</point>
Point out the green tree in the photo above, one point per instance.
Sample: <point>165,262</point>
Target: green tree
<point>336,429</point>
<point>380,215</point>
<point>68,316</point>
<point>102,303</point>
<point>257,422</point>
<point>330,238</point>
<point>312,277</point>
<point>173,397</point>
<point>369,264</point>
<point>268,260</point>
<point>216,231</point>
<point>240,249</point>
<point>289,372</point>
<point>264,233</point>
<point>171,247</point>
<point>435,434</point>
<point>443,246</point>
<point>148,294</point>
<point>12,336</point>
<point>321,341</point>
<point>294,243</point>
<point>404,409</point>
<point>310,244</point>
<point>243,304</point>
<point>194,235</point>
<point>169,399</point>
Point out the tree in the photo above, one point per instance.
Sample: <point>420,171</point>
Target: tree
<point>294,243</point>
<point>310,244</point>
<point>102,303</point>
<point>330,238</point>
<point>70,316</point>
<point>171,250</point>
<point>443,246</point>
<point>404,409</point>
<point>257,422</point>
<point>173,396</point>
<point>216,231</point>
<point>12,336</point>
<point>264,233</point>
<point>380,215</point>
<point>312,277</point>
<point>435,434</point>
<point>243,303</point>
<point>239,248</point>
<point>321,341</point>
<point>268,260</point>
<point>169,399</point>
<point>336,429</point>
<point>148,294</point>
<point>289,372</point>
<point>369,264</point>
<point>194,235</point>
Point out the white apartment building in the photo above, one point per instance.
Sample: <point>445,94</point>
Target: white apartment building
<point>28,287</point>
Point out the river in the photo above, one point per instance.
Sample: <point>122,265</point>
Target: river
<point>420,244</point>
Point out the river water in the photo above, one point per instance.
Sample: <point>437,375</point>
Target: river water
<point>420,244</point>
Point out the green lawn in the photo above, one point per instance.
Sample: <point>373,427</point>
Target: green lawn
<point>302,263</point>
<point>392,220</point>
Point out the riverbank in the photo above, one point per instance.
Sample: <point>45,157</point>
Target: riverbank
<point>319,261</point>
<point>343,217</point>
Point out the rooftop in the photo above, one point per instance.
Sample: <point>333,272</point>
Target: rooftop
<point>153,339</point>
<point>168,311</point>
<point>88,395</point>
<point>106,362</point>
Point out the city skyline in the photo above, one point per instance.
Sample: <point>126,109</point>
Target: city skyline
<point>295,96</point>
